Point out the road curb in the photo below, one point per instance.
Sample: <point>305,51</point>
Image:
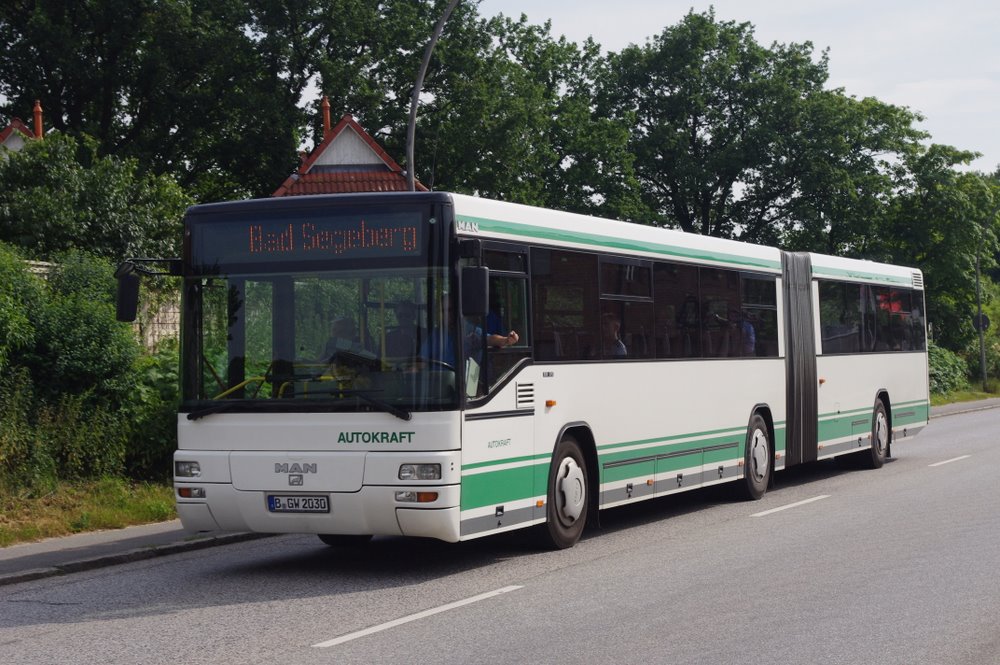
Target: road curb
<point>969,410</point>
<point>139,554</point>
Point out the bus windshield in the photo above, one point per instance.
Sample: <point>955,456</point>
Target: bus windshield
<point>347,340</point>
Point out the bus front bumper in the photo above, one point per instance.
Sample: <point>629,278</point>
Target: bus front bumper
<point>373,510</point>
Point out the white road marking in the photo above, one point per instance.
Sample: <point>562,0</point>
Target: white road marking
<point>949,461</point>
<point>414,617</point>
<point>791,505</point>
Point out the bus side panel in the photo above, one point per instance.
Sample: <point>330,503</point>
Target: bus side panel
<point>660,427</point>
<point>498,466</point>
<point>850,386</point>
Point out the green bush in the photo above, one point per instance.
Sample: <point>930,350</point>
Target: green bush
<point>84,442</point>
<point>25,461</point>
<point>68,393</point>
<point>80,348</point>
<point>972,358</point>
<point>154,432</point>
<point>947,370</point>
<point>20,294</point>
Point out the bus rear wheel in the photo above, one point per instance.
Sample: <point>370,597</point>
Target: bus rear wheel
<point>874,458</point>
<point>756,459</point>
<point>568,496</point>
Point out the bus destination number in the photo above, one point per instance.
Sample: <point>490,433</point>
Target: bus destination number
<point>298,504</point>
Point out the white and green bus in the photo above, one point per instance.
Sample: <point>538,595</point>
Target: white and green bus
<point>348,368</point>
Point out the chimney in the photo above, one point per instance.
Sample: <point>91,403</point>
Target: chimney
<point>38,119</point>
<point>326,117</point>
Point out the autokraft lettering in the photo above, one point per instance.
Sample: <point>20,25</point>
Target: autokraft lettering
<point>375,437</point>
<point>295,468</point>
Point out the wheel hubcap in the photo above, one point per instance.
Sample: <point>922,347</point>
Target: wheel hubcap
<point>881,433</point>
<point>758,455</point>
<point>572,494</point>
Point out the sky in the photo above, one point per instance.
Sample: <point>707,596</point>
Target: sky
<point>938,58</point>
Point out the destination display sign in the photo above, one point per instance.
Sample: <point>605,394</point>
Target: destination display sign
<point>337,237</point>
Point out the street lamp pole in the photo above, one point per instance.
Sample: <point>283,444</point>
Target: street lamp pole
<point>979,323</point>
<point>411,129</point>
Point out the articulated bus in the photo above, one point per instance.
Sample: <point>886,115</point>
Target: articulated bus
<point>440,365</point>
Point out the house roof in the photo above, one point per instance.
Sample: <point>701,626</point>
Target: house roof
<point>347,160</point>
<point>15,127</point>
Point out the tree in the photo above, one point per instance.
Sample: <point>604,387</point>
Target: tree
<point>734,139</point>
<point>943,220</point>
<point>58,194</point>
<point>205,91</point>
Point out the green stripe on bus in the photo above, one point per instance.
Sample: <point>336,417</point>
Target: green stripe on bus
<point>544,233</point>
<point>499,487</point>
<point>531,231</point>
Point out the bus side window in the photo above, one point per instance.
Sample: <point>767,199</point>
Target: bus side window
<point>677,311</point>
<point>565,302</point>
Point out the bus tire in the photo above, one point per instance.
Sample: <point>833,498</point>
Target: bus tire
<point>342,540</point>
<point>757,467</point>
<point>874,458</point>
<point>568,496</point>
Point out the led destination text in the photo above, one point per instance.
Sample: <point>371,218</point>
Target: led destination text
<point>307,238</point>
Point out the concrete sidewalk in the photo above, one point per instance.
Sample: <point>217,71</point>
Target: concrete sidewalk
<point>86,551</point>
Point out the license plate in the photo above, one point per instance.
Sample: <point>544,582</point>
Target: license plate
<point>277,503</point>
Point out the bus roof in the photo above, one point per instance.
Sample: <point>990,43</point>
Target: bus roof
<point>485,218</point>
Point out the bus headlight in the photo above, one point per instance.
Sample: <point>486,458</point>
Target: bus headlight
<point>420,472</point>
<point>187,469</point>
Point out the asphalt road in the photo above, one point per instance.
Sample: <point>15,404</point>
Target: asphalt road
<point>897,565</point>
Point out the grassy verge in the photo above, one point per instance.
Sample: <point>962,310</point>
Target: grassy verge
<point>974,393</point>
<point>110,503</point>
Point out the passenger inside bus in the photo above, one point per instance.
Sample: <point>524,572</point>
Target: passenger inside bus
<point>343,337</point>
<point>613,345</point>
<point>401,341</point>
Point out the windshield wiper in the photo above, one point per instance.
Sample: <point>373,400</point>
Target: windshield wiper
<point>365,396</point>
<point>215,408</point>
<point>281,405</point>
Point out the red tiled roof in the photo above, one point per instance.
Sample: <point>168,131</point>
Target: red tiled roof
<point>15,125</point>
<point>304,182</point>
<point>345,183</point>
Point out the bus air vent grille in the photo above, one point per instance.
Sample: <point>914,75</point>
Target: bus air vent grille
<point>525,395</point>
<point>918,280</point>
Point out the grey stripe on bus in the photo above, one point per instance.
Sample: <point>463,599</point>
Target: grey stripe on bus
<point>679,453</point>
<point>499,414</point>
<point>844,446</point>
<point>492,522</point>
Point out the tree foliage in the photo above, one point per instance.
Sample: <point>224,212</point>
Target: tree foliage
<point>205,91</point>
<point>59,194</point>
<point>700,127</point>
<point>734,139</point>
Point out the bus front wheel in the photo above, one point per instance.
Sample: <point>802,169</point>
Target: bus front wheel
<point>568,496</point>
<point>757,459</point>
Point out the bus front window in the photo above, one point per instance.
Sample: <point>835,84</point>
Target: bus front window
<point>354,340</point>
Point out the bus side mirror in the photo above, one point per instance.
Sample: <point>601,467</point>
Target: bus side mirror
<point>127,302</point>
<point>475,291</point>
